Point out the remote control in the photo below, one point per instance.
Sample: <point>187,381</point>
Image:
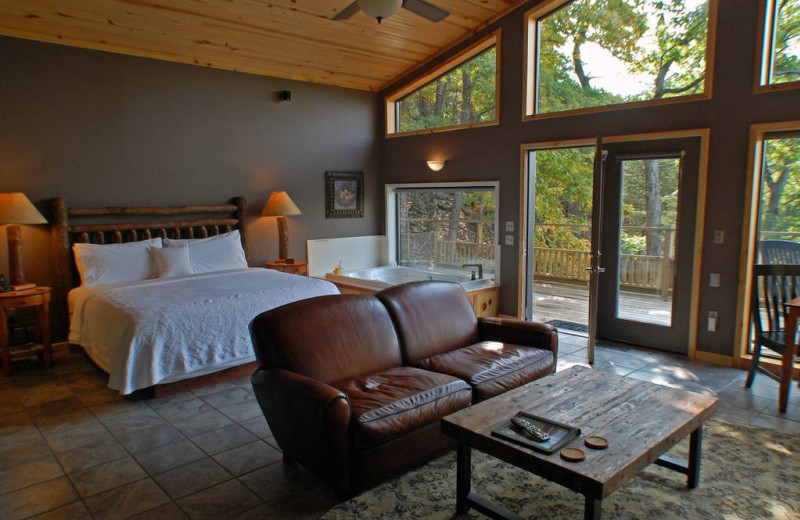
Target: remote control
<point>530,428</point>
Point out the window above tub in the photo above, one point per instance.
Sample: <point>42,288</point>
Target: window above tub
<point>450,227</point>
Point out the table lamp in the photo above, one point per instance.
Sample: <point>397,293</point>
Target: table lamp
<point>15,208</point>
<point>280,205</point>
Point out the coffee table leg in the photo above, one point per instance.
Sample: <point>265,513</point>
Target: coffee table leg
<point>695,453</point>
<point>463,477</point>
<point>593,509</point>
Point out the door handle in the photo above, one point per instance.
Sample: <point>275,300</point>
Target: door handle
<point>595,269</point>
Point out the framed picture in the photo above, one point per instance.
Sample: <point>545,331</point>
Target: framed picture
<point>344,194</point>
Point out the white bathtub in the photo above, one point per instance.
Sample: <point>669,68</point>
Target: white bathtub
<point>377,278</point>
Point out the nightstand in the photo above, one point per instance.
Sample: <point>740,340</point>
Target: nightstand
<point>298,267</point>
<point>39,298</point>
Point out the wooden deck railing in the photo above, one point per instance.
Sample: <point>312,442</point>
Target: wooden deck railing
<point>642,272</point>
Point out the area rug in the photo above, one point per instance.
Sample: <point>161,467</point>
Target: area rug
<point>748,473</point>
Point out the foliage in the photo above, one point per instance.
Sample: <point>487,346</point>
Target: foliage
<point>786,52</point>
<point>428,217</point>
<point>780,186</point>
<point>661,40</point>
<point>463,95</point>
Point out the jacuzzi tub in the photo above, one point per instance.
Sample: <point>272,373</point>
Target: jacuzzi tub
<point>377,278</point>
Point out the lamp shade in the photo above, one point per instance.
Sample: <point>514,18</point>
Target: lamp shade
<point>15,208</point>
<point>380,8</point>
<point>280,204</point>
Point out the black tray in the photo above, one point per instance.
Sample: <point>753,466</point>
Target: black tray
<point>560,434</point>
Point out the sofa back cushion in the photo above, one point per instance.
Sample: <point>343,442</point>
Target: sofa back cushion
<point>327,338</point>
<point>430,317</point>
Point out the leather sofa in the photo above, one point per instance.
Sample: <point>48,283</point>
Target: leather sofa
<point>353,386</point>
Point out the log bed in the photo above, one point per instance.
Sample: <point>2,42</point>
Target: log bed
<point>130,224</point>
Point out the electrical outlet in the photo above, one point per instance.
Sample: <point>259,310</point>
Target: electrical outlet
<point>713,280</point>
<point>719,236</point>
<point>713,321</point>
<point>509,240</point>
<point>510,226</point>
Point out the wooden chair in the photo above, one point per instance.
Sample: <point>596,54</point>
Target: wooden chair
<point>780,252</point>
<point>773,286</point>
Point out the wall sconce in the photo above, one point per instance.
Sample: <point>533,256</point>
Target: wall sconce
<point>436,165</point>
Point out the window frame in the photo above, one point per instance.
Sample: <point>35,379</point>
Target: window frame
<point>764,54</point>
<point>391,213</point>
<point>531,67</point>
<point>391,100</point>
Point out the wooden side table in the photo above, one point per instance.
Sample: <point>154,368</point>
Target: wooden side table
<point>298,267</point>
<point>38,297</point>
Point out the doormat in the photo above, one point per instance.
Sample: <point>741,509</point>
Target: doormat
<point>568,325</point>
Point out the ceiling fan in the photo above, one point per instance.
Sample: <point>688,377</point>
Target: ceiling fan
<point>381,9</point>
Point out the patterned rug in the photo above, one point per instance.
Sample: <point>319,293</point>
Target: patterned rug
<point>747,473</point>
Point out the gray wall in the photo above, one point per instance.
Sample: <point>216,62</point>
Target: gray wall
<point>105,129</point>
<point>493,153</point>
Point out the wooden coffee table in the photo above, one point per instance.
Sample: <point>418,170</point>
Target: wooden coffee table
<point>640,420</point>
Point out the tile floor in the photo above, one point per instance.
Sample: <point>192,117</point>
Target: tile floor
<point>72,449</point>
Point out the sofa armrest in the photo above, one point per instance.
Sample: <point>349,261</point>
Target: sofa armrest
<point>519,332</point>
<point>310,421</point>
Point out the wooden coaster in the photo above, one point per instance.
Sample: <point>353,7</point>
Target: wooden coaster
<point>596,443</point>
<point>572,454</point>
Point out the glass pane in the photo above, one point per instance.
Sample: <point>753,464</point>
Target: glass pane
<point>779,210</point>
<point>786,43</point>
<point>603,52</point>
<point>562,236</point>
<point>446,229</point>
<point>463,95</point>
<point>649,227</point>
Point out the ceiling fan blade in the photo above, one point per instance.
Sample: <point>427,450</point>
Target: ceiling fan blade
<point>347,12</point>
<point>426,10</point>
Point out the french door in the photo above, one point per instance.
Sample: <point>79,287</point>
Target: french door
<point>629,277</point>
<point>649,216</point>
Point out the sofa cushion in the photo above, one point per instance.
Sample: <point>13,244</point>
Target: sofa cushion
<point>391,402</point>
<point>327,338</point>
<point>491,367</point>
<point>430,317</point>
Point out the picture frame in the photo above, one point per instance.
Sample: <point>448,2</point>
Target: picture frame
<point>344,194</point>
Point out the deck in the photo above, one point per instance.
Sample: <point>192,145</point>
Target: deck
<point>566,302</point>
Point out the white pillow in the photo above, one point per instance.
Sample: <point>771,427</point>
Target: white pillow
<point>115,263</point>
<point>172,261</point>
<point>216,253</point>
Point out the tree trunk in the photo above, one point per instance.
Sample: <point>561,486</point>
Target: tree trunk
<point>455,216</point>
<point>439,102</point>
<point>466,96</point>
<point>653,208</point>
<point>577,63</point>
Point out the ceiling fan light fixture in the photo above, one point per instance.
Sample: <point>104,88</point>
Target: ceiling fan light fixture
<point>380,9</point>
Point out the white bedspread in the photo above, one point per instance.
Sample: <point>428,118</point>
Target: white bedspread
<point>144,333</point>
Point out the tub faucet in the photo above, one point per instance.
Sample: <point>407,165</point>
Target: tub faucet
<point>480,270</point>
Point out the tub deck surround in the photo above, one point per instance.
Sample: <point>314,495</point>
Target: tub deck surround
<point>482,293</point>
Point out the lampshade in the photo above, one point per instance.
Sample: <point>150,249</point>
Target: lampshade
<point>436,165</point>
<point>15,208</point>
<point>280,204</point>
<point>380,8</point>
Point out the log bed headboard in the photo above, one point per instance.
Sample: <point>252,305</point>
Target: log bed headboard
<point>118,225</point>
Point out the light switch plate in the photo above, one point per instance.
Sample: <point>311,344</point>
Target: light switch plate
<point>714,280</point>
<point>510,226</point>
<point>509,240</point>
<point>719,236</point>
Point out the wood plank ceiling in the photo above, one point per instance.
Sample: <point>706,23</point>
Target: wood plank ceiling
<point>293,39</point>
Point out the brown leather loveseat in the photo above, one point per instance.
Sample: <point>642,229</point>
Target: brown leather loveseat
<point>353,386</point>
